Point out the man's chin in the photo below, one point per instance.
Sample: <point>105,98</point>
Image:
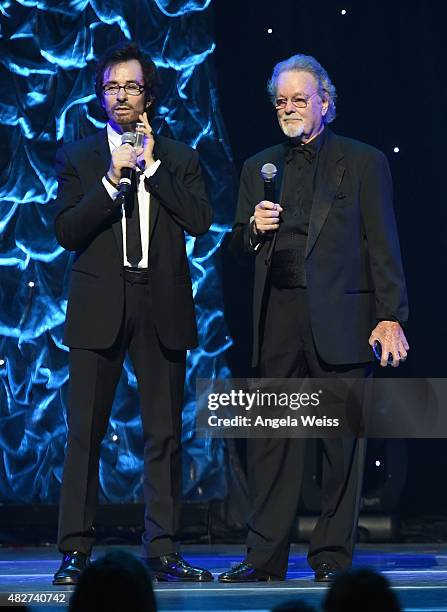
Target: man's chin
<point>121,124</point>
<point>125,118</point>
<point>127,126</point>
<point>292,131</point>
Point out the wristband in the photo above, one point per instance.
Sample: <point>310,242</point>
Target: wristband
<point>109,180</point>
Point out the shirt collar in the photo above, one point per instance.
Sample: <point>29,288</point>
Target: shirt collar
<point>114,137</point>
<point>311,149</point>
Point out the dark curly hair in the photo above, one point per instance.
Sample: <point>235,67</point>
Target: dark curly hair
<point>123,52</point>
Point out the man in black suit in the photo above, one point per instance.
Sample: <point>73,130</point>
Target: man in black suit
<point>130,290</point>
<point>328,280</point>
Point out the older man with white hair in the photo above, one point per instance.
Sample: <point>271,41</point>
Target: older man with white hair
<point>329,284</point>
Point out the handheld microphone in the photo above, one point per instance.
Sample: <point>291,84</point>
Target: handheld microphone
<point>136,140</point>
<point>268,173</point>
<point>126,173</point>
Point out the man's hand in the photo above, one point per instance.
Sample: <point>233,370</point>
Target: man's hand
<point>392,339</point>
<point>122,157</point>
<point>146,154</point>
<point>266,217</point>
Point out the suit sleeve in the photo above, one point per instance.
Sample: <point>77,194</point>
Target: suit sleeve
<point>376,200</point>
<point>79,215</point>
<point>243,239</point>
<point>185,199</point>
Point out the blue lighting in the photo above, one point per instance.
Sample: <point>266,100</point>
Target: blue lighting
<point>48,96</point>
<point>183,8</point>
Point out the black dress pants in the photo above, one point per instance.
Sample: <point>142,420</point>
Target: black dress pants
<point>275,465</point>
<point>94,375</point>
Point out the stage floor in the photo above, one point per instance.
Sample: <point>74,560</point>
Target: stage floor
<point>417,572</point>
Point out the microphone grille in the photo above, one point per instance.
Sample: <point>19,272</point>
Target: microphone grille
<point>269,171</point>
<point>128,138</point>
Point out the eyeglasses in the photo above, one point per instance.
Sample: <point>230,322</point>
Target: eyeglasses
<point>113,89</point>
<point>281,103</point>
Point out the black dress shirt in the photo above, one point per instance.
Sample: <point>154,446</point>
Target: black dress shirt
<point>301,162</point>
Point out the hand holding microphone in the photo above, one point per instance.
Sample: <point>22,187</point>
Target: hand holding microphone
<point>266,215</point>
<point>124,160</point>
<point>136,149</point>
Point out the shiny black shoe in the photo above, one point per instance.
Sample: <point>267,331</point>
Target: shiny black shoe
<point>72,566</point>
<point>326,573</point>
<point>173,568</point>
<point>246,572</point>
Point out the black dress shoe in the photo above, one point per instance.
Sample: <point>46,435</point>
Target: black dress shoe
<point>72,566</point>
<point>173,568</point>
<point>246,572</point>
<point>326,573</point>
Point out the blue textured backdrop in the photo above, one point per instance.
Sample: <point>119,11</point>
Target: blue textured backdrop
<point>48,50</point>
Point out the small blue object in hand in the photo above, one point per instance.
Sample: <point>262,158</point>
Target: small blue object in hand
<point>377,349</point>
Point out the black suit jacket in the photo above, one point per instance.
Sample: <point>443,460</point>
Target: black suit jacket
<point>353,262</point>
<point>89,223</point>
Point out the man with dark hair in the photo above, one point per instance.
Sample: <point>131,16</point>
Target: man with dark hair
<point>130,290</point>
<point>124,53</point>
<point>328,284</point>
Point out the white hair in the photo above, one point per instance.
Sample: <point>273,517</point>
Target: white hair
<point>306,63</point>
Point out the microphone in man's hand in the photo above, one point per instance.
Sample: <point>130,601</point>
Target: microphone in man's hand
<point>268,173</point>
<point>126,173</point>
<point>136,140</point>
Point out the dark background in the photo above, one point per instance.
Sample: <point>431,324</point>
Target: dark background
<point>388,63</point>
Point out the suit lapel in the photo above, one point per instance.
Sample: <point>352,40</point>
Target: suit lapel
<point>101,150</point>
<point>159,153</point>
<point>329,175</point>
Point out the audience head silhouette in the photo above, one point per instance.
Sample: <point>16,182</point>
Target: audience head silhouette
<point>113,583</point>
<point>363,590</point>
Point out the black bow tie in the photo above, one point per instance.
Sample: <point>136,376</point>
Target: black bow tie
<point>306,151</point>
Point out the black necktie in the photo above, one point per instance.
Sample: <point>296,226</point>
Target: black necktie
<point>134,250</point>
